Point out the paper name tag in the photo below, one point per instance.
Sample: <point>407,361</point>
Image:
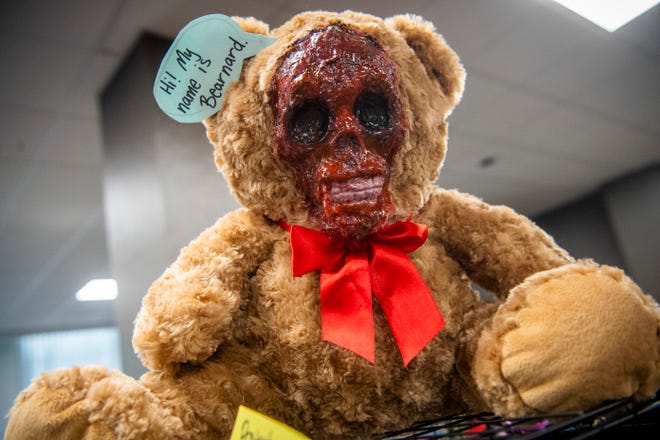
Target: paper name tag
<point>203,60</point>
<point>252,425</point>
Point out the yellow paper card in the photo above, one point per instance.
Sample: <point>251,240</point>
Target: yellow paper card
<point>252,425</point>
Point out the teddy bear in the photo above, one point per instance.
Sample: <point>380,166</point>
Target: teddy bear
<point>341,298</point>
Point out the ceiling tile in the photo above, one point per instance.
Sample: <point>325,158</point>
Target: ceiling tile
<point>61,261</point>
<point>608,77</point>
<point>380,8</point>
<point>11,178</point>
<point>531,45</point>
<point>57,309</point>
<point>471,27</point>
<point>51,197</point>
<point>520,164</point>
<point>22,132</point>
<point>495,108</point>
<point>591,136</point>
<point>72,23</point>
<point>44,136</point>
<point>167,18</point>
<point>481,98</point>
<point>25,251</point>
<point>75,142</point>
<point>39,76</point>
<point>525,119</point>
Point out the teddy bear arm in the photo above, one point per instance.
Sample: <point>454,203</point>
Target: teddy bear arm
<point>189,310</point>
<point>496,247</point>
<point>93,403</point>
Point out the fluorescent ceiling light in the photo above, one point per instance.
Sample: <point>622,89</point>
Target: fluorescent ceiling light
<point>98,290</point>
<point>609,14</point>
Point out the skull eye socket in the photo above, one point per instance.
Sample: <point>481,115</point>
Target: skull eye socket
<point>309,122</point>
<point>373,112</point>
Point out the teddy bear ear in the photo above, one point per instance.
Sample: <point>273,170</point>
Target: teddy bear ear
<point>440,61</point>
<point>252,25</point>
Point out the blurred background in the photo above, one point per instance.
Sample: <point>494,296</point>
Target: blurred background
<point>559,120</point>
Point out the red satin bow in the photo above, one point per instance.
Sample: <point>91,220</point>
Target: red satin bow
<point>348,277</point>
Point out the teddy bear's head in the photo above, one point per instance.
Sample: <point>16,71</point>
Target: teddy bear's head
<point>340,125</point>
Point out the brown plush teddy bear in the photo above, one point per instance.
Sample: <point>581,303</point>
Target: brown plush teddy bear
<point>339,300</point>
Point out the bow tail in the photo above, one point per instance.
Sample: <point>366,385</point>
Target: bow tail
<point>346,311</point>
<point>406,301</point>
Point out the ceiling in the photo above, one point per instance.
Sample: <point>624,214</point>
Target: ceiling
<point>554,107</point>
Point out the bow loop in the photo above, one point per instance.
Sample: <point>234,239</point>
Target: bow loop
<point>314,250</point>
<point>405,236</point>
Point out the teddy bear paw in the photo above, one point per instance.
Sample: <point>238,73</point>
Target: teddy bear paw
<point>569,339</point>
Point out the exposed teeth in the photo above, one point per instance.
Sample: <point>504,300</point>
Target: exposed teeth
<point>357,189</point>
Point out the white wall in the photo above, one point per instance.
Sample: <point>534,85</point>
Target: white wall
<point>618,225</point>
<point>583,228</point>
<point>633,205</point>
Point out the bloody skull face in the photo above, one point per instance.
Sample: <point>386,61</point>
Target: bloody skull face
<point>338,124</point>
